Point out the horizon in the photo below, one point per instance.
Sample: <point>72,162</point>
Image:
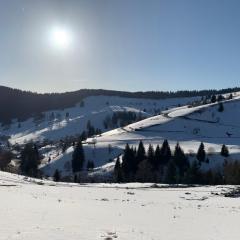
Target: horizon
<point>168,46</point>
<point>116,90</point>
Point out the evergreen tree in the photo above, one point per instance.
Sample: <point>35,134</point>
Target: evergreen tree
<point>75,178</point>
<point>180,160</point>
<point>129,164</point>
<point>193,174</point>
<point>78,157</point>
<point>141,153</point>
<point>56,176</point>
<point>83,136</point>
<point>158,157</point>
<point>220,98</point>
<point>201,154</point>
<point>89,125</point>
<point>165,152</point>
<point>90,129</point>
<point>171,173</point>
<point>150,155</point>
<point>118,171</point>
<point>30,160</point>
<point>144,172</point>
<point>220,107</point>
<point>224,151</point>
<point>213,98</point>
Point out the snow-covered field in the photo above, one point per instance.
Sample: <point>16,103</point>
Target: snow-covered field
<point>45,210</point>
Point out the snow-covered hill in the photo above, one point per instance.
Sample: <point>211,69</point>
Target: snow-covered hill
<point>38,209</point>
<point>188,126</point>
<point>57,124</point>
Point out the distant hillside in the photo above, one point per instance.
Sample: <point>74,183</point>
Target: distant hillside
<point>15,103</point>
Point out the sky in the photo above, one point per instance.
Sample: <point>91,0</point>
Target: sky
<point>133,45</point>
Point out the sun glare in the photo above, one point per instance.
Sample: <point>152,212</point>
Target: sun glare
<point>60,37</point>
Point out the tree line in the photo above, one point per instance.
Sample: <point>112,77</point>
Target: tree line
<point>160,165</point>
<point>164,166</point>
<point>121,119</point>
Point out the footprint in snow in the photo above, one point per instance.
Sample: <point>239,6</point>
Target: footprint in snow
<point>109,235</point>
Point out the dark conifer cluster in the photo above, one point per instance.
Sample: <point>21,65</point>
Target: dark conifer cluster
<point>78,157</point>
<point>121,119</point>
<point>164,166</point>
<point>30,159</point>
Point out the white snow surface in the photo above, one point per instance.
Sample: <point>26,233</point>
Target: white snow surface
<point>38,209</point>
<point>95,109</point>
<point>188,126</point>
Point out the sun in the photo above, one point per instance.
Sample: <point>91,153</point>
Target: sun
<point>61,37</point>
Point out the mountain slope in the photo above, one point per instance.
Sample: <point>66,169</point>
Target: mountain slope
<point>22,105</point>
<point>57,124</point>
<point>188,126</point>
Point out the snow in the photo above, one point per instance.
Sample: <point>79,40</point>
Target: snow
<point>38,209</point>
<point>95,109</point>
<point>188,126</point>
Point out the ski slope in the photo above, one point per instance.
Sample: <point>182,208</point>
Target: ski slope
<point>38,209</point>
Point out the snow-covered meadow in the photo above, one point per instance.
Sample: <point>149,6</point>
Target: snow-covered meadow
<point>37,209</point>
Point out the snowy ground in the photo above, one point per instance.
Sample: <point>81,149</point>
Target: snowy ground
<point>45,210</point>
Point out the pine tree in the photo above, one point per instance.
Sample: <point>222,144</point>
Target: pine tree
<point>56,176</point>
<point>75,178</point>
<point>129,164</point>
<point>90,129</point>
<point>118,171</point>
<point>171,173</point>
<point>220,107</point>
<point>141,153</point>
<point>220,98</point>
<point>224,151</point>
<point>83,136</point>
<point>78,157</point>
<point>30,159</point>
<point>193,174</point>
<point>201,154</point>
<point>158,157</point>
<point>165,152</point>
<point>213,98</point>
<point>180,160</point>
<point>150,155</point>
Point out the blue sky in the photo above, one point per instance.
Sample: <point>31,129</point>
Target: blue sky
<point>122,44</point>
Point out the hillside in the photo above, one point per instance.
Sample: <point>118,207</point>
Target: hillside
<point>188,126</point>
<point>21,105</point>
<point>58,124</point>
